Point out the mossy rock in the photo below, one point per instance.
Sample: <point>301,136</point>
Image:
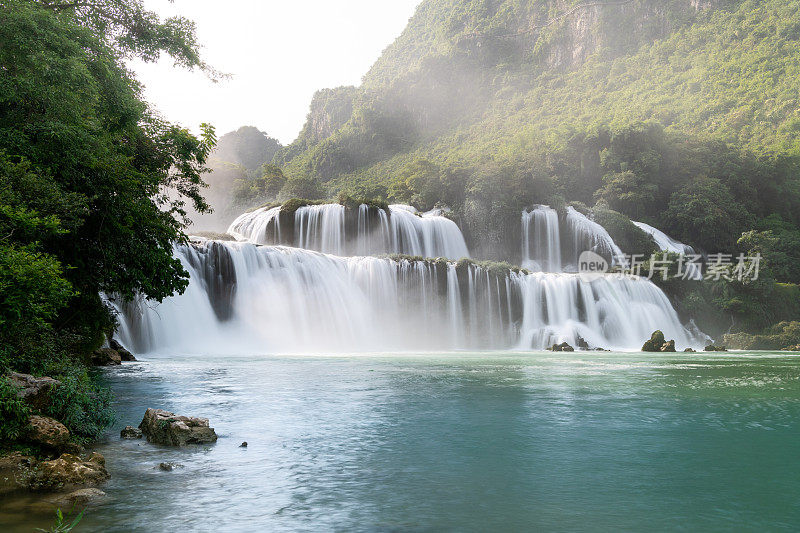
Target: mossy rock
<point>655,343</point>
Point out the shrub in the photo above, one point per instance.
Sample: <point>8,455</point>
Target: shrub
<point>81,404</point>
<point>13,412</point>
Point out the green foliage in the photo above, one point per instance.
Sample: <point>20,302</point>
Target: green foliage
<point>32,287</point>
<point>707,204</point>
<point>301,187</point>
<point>779,249</point>
<point>423,184</point>
<point>249,191</point>
<point>62,524</point>
<point>81,404</point>
<point>781,336</point>
<point>14,412</point>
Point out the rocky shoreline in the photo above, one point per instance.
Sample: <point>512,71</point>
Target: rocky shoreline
<point>45,460</point>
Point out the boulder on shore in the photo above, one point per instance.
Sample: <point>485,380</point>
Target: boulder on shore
<point>34,391</point>
<point>69,471</point>
<point>106,357</point>
<point>47,432</point>
<point>169,429</point>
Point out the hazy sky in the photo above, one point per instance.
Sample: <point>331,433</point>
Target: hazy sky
<point>278,51</point>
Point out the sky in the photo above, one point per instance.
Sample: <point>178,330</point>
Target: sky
<point>278,53</point>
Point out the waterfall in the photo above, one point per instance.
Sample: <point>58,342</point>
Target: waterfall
<point>587,235</point>
<point>244,298</point>
<point>667,244</point>
<point>541,240</point>
<point>328,228</point>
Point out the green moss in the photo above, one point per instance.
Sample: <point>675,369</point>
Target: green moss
<point>214,236</point>
<point>289,207</point>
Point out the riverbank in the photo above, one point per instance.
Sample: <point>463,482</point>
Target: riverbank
<point>464,441</point>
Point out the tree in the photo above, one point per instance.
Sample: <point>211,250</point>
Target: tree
<point>258,190</point>
<point>707,204</point>
<point>95,185</point>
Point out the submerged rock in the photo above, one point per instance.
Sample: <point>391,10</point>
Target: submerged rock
<point>14,471</point>
<point>130,432</point>
<point>36,392</point>
<point>47,432</point>
<point>106,357</point>
<point>169,429</point>
<point>243,445</point>
<point>169,467</point>
<point>78,498</point>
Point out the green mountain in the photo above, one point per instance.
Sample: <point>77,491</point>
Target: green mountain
<point>637,103</point>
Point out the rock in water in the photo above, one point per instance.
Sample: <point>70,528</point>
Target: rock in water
<point>563,347</point>
<point>169,467</point>
<point>243,445</point>
<point>169,429</point>
<point>106,357</point>
<point>668,346</point>
<point>713,348</point>
<point>130,432</point>
<point>655,343</point>
<point>34,391</point>
<point>47,432</point>
<point>690,350</point>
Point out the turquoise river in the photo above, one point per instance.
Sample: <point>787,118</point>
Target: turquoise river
<point>457,442</point>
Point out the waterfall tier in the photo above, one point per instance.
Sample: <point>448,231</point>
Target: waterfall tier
<point>244,298</point>
<point>334,229</point>
<point>541,240</point>
<point>548,248</point>
<point>667,244</point>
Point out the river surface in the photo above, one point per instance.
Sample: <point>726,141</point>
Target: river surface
<point>459,442</point>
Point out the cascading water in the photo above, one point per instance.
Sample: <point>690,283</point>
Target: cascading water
<point>541,240</point>
<point>244,298</point>
<point>667,244</point>
<point>325,228</point>
<point>587,235</point>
